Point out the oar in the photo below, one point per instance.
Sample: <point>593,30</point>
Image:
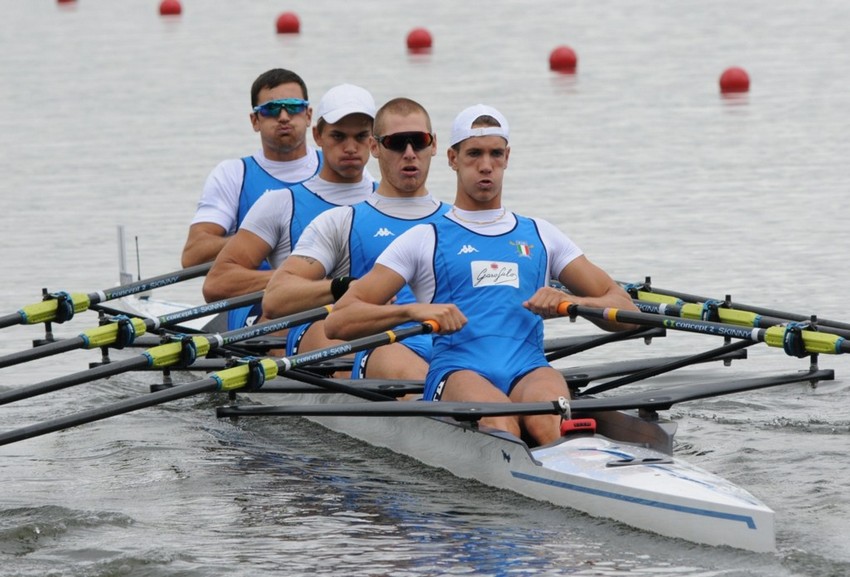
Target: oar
<point>793,338</point>
<point>250,374</point>
<point>61,306</point>
<point>576,377</point>
<point>662,305</point>
<point>182,351</point>
<point>669,366</point>
<point>655,400</point>
<point>646,292</point>
<point>123,330</point>
<point>598,341</point>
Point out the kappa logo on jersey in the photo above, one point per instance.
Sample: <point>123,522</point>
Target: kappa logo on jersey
<point>467,249</point>
<point>383,231</point>
<point>490,273</point>
<point>522,247</point>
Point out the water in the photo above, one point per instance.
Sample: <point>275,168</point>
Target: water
<point>112,115</point>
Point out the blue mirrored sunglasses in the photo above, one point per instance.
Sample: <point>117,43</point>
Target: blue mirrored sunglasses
<point>272,108</point>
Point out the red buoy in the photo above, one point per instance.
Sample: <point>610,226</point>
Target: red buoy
<point>563,59</point>
<point>734,80</point>
<point>419,40</point>
<point>65,1</point>
<point>288,23</point>
<point>170,8</point>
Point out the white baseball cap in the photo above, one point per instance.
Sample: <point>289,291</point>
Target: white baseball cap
<point>462,126</point>
<point>343,100</point>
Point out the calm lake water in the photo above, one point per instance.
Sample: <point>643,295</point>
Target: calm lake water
<point>111,114</point>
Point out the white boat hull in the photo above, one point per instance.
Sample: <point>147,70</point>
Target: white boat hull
<point>642,487</point>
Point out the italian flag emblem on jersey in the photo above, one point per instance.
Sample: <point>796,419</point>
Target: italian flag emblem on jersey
<point>522,248</point>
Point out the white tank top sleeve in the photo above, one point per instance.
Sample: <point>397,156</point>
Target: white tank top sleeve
<point>561,250</point>
<point>411,255</point>
<point>219,202</point>
<point>269,219</point>
<point>326,240</point>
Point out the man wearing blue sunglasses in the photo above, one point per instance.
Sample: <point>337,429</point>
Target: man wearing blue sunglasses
<point>276,220</point>
<point>281,114</point>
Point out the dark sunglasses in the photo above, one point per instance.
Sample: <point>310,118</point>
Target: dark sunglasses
<point>399,141</point>
<point>272,108</point>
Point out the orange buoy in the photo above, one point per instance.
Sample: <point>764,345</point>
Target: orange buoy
<point>734,80</point>
<point>288,23</point>
<point>170,8</point>
<point>563,59</point>
<point>419,40</point>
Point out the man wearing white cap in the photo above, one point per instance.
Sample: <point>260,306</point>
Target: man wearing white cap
<point>482,273</point>
<point>341,245</point>
<point>276,220</point>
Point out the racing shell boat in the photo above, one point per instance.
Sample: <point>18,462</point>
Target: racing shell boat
<point>623,471</point>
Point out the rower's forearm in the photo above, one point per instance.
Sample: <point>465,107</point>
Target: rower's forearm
<point>361,319</point>
<point>295,295</point>
<point>223,282</point>
<point>202,250</point>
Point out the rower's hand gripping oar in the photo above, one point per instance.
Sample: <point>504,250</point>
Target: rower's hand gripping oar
<point>182,351</point>
<point>120,331</point>
<point>795,338</point>
<point>61,306</point>
<point>251,373</point>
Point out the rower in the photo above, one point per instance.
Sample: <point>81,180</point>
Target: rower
<point>482,273</point>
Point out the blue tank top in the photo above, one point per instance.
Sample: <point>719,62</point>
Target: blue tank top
<point>372,231</point>
<point>306,205</point>
<point>256,181</point>
<point>488,278</point>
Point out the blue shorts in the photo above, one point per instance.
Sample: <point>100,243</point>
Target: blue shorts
<point>293,338</point>
<point>419,344</point>
<point>504,375</point>
<point>243,317</point>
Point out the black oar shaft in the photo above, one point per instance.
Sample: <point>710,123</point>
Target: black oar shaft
<point>337,387</point>
<point>66,381</point>
<point>274,325</point>
<point>251,373</point>
<point>668,367</point>
<point>745,307</point>
<point>162,356</point>
<point>34,353</point>
<point>814,342</point>
<point>724,314</point>
<point>108,334</point>
<point>46,310</point>
<point>208,309</point>
<point>598,341</point>
<point>153,282</point>
<point>658,399</point>
<point>119,408</point>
